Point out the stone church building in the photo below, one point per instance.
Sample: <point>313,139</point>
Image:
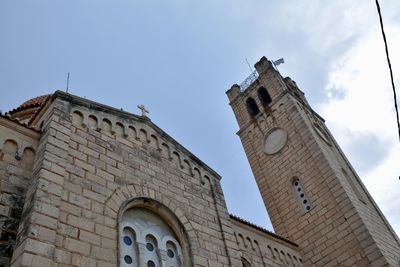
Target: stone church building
<point>85,184</point>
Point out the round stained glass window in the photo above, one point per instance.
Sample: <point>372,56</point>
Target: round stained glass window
<point>128,259</point>
<point>127,240</point>
<point>149,247</point>
<point>170,253</point>
<point>151,263</point>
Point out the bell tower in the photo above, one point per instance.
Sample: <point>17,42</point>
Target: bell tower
<point>312,194</point>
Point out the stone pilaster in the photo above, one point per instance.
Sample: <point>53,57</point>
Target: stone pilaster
<point>36,243</point>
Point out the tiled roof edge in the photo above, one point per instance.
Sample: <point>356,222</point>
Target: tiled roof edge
<point>7,117</point>
<point>41,106</point>
<point>23,107</point>
<point>234,217</point>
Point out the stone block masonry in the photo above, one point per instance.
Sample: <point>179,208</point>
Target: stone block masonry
<point>313,195</point>
<point>86,172</point>
<point>85,184</point>
<point>17,151</point>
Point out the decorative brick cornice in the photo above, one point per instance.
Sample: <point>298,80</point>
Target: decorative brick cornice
<point>76,100</point>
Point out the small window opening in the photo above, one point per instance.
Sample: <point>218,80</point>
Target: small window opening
<point>264,96</point>
<point>252,107</point>
<point>128,259</point>
<point>245,263</point>
<point>149,247</point>
<point>302,198</point>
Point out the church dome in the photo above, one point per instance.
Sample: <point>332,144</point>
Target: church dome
<point>33,102</point>
<point>25,112</point>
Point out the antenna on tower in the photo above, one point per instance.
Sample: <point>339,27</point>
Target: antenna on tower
<point>248,64</point>
<point>67,82</point>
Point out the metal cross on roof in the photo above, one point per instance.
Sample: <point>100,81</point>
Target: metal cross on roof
<point>143,109</point>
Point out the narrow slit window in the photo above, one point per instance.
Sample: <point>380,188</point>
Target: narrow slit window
<point>252,107</point>
<point>301,195</point>
<point>265,98</point>
<point>245,263</point>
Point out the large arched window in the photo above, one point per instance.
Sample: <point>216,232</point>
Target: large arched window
<point>145,239</point>
<point>264,97</point>
<point>252,107</point>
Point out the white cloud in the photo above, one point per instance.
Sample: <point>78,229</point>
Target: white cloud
<point>346,37</point>
<point>365,107</point>
<point>328,24</point>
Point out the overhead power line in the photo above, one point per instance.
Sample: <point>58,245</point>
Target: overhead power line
<point>390,66</point>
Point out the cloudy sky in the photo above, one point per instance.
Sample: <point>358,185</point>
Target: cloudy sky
<point>179,57</point>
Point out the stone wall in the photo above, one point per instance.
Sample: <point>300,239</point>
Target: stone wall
<point>63,191</point>
<point>17,151</point>
<point>91,160</point>
<point>262,248</point>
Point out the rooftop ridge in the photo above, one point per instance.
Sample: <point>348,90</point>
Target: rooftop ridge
<point>31,103</point>
<point>262,229</point>
<point>122,113</point>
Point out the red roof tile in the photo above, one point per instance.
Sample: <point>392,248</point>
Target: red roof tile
<point>31,103</point>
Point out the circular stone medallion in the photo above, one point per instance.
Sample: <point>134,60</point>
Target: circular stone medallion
<point>275,141</point>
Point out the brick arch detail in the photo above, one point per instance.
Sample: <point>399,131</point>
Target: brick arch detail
<point>122,195</point>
